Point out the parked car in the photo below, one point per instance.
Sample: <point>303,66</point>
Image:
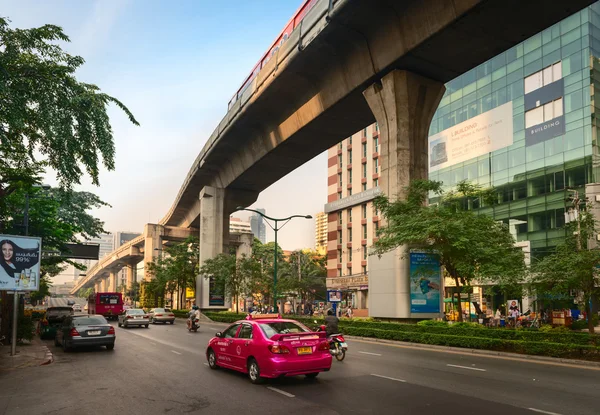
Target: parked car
<point>77,308</point>
<point>161,315</point>
<point>134,317</point>
<point>54,319</point>
<point>85,330</point>
<point>269,347</point>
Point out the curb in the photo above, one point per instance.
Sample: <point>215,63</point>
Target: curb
<point>586,363</point>
<point>48,357</point>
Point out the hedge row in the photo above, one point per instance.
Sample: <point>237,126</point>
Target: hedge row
<point>560,350</point>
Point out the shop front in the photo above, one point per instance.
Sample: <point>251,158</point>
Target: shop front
<point>355,293</point>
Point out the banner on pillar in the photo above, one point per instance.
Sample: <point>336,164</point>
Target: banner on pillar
<point>216,294</point>
<point>20,263</point>
<point>474,137</point>
<point>190,293</point>
<point>425,282</point>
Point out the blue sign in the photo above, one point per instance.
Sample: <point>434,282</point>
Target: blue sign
<point>334,296</point>
<point>425,283</point>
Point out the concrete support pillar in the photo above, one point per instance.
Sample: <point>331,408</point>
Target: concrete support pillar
<point>104,284</point>
<point>112,281</point>
<point>97,287</point>
<point>216,204</point>
<point>152,244</point>
<point>130,275</point>
<point>403,105</point>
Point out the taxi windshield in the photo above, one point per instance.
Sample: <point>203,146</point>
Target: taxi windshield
<point>281,327</point>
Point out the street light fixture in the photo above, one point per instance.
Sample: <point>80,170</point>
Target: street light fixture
<point>275,229</point>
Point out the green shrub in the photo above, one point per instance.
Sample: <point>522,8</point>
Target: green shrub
<point>432,323</point>
<point>25,328</point>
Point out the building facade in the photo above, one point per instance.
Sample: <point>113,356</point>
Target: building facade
<point>259,229</point>
<point>321,233</point>
<point>352,223</point>
<point>523,123</point>
<point>236,225</point>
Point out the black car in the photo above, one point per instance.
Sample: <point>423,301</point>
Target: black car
<point>85,330</point>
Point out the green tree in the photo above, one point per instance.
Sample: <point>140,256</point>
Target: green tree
<point>574,264</point>
<point>471,247</point>
<point>304,275</point>
<point>45,110</point>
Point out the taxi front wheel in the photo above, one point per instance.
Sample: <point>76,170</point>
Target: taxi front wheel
<point>254,372</point>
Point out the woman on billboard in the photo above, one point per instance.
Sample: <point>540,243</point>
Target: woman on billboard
<point>14,259</point>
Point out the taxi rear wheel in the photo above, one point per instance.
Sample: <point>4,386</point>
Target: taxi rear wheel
<point>254,372</point>
<point>311,375</point>
<point>212,360</point>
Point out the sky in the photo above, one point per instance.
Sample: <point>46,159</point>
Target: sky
<point>175,65</point>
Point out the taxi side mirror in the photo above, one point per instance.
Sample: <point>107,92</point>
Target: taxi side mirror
<point>219,334</point>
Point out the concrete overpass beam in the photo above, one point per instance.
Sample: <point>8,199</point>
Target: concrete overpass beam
<point>403,105</point>
<point>152,243</point>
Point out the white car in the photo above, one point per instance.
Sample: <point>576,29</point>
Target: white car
<point>77,308</point>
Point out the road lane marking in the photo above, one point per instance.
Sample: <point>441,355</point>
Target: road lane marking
<point>289,395</point>
<point>205,364</point>
<point>469,368</point>
<point>166,343</point>
<point>469,352</point>
<point>173,351</point>
<point>387,377</point>
<point>543,412</point>
<point>371,354</point>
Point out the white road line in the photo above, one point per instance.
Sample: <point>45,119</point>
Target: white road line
<point>289,395</point>
<point>173,351</point>
<point>387,377</point>
<point>372,354</point>
<point>543,412</point>
<point>205,364</point>
<point>467,367</point>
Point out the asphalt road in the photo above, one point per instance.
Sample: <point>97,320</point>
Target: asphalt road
<point>162,370</point>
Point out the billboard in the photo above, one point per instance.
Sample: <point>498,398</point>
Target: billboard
<point>334,296</point>
<point>20,263</point>
<point>425,283</point>
<point>475,137</point>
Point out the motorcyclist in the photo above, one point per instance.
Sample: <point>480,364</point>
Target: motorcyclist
<point>331,323</point>
<point>194,315</point>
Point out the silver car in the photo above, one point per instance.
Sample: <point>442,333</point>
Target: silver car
<point>85,330</point>
<point>134,317</point>
<point>161,315</point>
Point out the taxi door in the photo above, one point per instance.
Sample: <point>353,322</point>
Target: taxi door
<point>242,344</point>
<point>225,347</point>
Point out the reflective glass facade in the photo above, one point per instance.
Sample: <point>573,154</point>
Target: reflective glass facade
<point>550,80</point>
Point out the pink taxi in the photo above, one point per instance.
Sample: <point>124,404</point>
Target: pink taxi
<point>267,346</point>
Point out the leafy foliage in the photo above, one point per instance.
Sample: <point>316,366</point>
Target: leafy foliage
<point>471,246</point>
<point>44,109</point>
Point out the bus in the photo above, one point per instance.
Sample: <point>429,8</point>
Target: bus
<point>110,305</point>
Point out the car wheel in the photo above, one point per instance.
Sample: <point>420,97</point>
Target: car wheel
<point>110,346</point>
<point>311,375</point>
<point>56,343</point>
<point>254,372</point>
<point>125,325</point>
<point>172,322</point>
<point>147,325</point>
<point>341,355</point>
<point>119,323</point>
<point>66,348</point>
<point>212,360</point>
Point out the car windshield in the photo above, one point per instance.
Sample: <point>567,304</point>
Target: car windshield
<point>135,311</point>
<point>283,327</point>
<point>159,310</point>
<point>89,320</point>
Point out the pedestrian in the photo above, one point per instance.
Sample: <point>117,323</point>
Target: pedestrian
<point>349,312</point>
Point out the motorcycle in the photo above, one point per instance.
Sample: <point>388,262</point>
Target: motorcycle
<point>193,324</point>
<point>337,344</point>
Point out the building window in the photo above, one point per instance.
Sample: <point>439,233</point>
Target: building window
<point>350,192</point>
<point>349,215</point>
<point>340,236</point>
<point>339,272</point>
<point>364,231</point>
<point>376,165</point>
<point>350,140</point>
<point>340,179</point>
<point>349,156</point>
<point>340,218</point>
<point>375,210</point>
<point>544,77</point>
<point>364,211</point>
<point>376,145</point>
<point>375,182</point>
<point>365,132</point>
<point>339,256</point>
<point>364,167</point>
<point>375,229</point>
<point>350,255</point>
<point>339,195</point>
<point>349,235</point>
<point>544,113</point>
<point>364,269</point>
<point>377,126</point>
<point>364,187</point>
<point>364,253</point>
<point>350,176</point>
<point>340,145</point>
<point>340,161</point>
<point>364,148</point>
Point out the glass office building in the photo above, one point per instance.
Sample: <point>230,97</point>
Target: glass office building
<point>524,122</point>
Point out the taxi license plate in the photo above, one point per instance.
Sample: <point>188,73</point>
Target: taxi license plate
<point>93,333</point>
<point>304,350</point>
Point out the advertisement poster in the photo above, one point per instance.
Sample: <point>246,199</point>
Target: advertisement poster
<point>425,283</point>
<point>334,296</point>
<point>20,263</point>
<point>216,296</point>
<point>475,137</point>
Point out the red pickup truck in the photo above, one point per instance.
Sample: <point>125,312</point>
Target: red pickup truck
<point>110,305</point>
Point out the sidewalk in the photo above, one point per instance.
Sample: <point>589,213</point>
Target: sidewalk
<point>30,354</point>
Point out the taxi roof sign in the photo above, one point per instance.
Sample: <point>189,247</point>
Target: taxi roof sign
<point>262,316</point>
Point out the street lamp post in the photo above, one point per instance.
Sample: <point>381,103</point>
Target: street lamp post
<point>275,229</point>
